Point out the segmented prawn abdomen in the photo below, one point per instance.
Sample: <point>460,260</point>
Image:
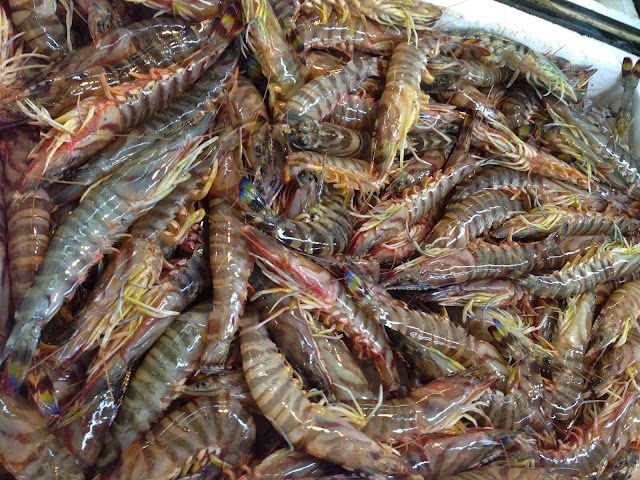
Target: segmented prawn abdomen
<point>473,216</point>
<point>27,448</point>
<point>42,29</point>
<point>316,99</point>
<point>231,265</point>
<point>95,225</point>
<point>28,222</point>
<point>165,367</point>
<point>309,427</point>
<point>398,110</point>
<point>216,426</point>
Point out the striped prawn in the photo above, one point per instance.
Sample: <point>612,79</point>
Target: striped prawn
<point>59,277</point>
<point>607,262</point>
<point>28,449</point>
<point>394,215</point>
<point>82,132</point>
<point>160,378</point>
<point>317,288</point>
<point>184,110</point>
<point>399,109</point>
<point>80,428</point>
<point>482,261</point>
<point>206,430</point>
<point>327,234</point>
<point>137,266</point>
<point>42,29</point>
<point>307,426</point>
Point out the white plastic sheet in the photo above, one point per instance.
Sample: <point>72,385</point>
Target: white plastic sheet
<point>605,86</point>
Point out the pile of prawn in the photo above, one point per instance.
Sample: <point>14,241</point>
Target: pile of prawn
<point>282,239</point>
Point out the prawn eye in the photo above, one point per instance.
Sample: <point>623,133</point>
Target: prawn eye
<point>356,285</point>
<point>250,196</point>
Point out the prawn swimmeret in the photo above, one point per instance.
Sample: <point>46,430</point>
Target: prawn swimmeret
<point>254,239</point>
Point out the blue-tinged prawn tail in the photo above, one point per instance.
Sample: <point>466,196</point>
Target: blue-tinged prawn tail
<point>18,355</point>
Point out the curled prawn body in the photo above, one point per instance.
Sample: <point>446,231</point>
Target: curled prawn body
<point>621,309</point>
<point>320,63</point>
<point>396,214</point>
<point>293,335</point>
<point>405,244</point>
<point>570,341</point>
<point>343,371</point>
<point>415,171</point>
<point>511,411</point>
<point>518,106</point>
<point>481,75</point>
<point>330,139</point>
<point>164,369</point>
<point>204,428</point>
<point>318,97</point>
<point>617,362</point>
<point>355,112</point>
<point>309,427</point>
<point>476,214</point>
<point>439,333</point>
<point>609,433</point>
